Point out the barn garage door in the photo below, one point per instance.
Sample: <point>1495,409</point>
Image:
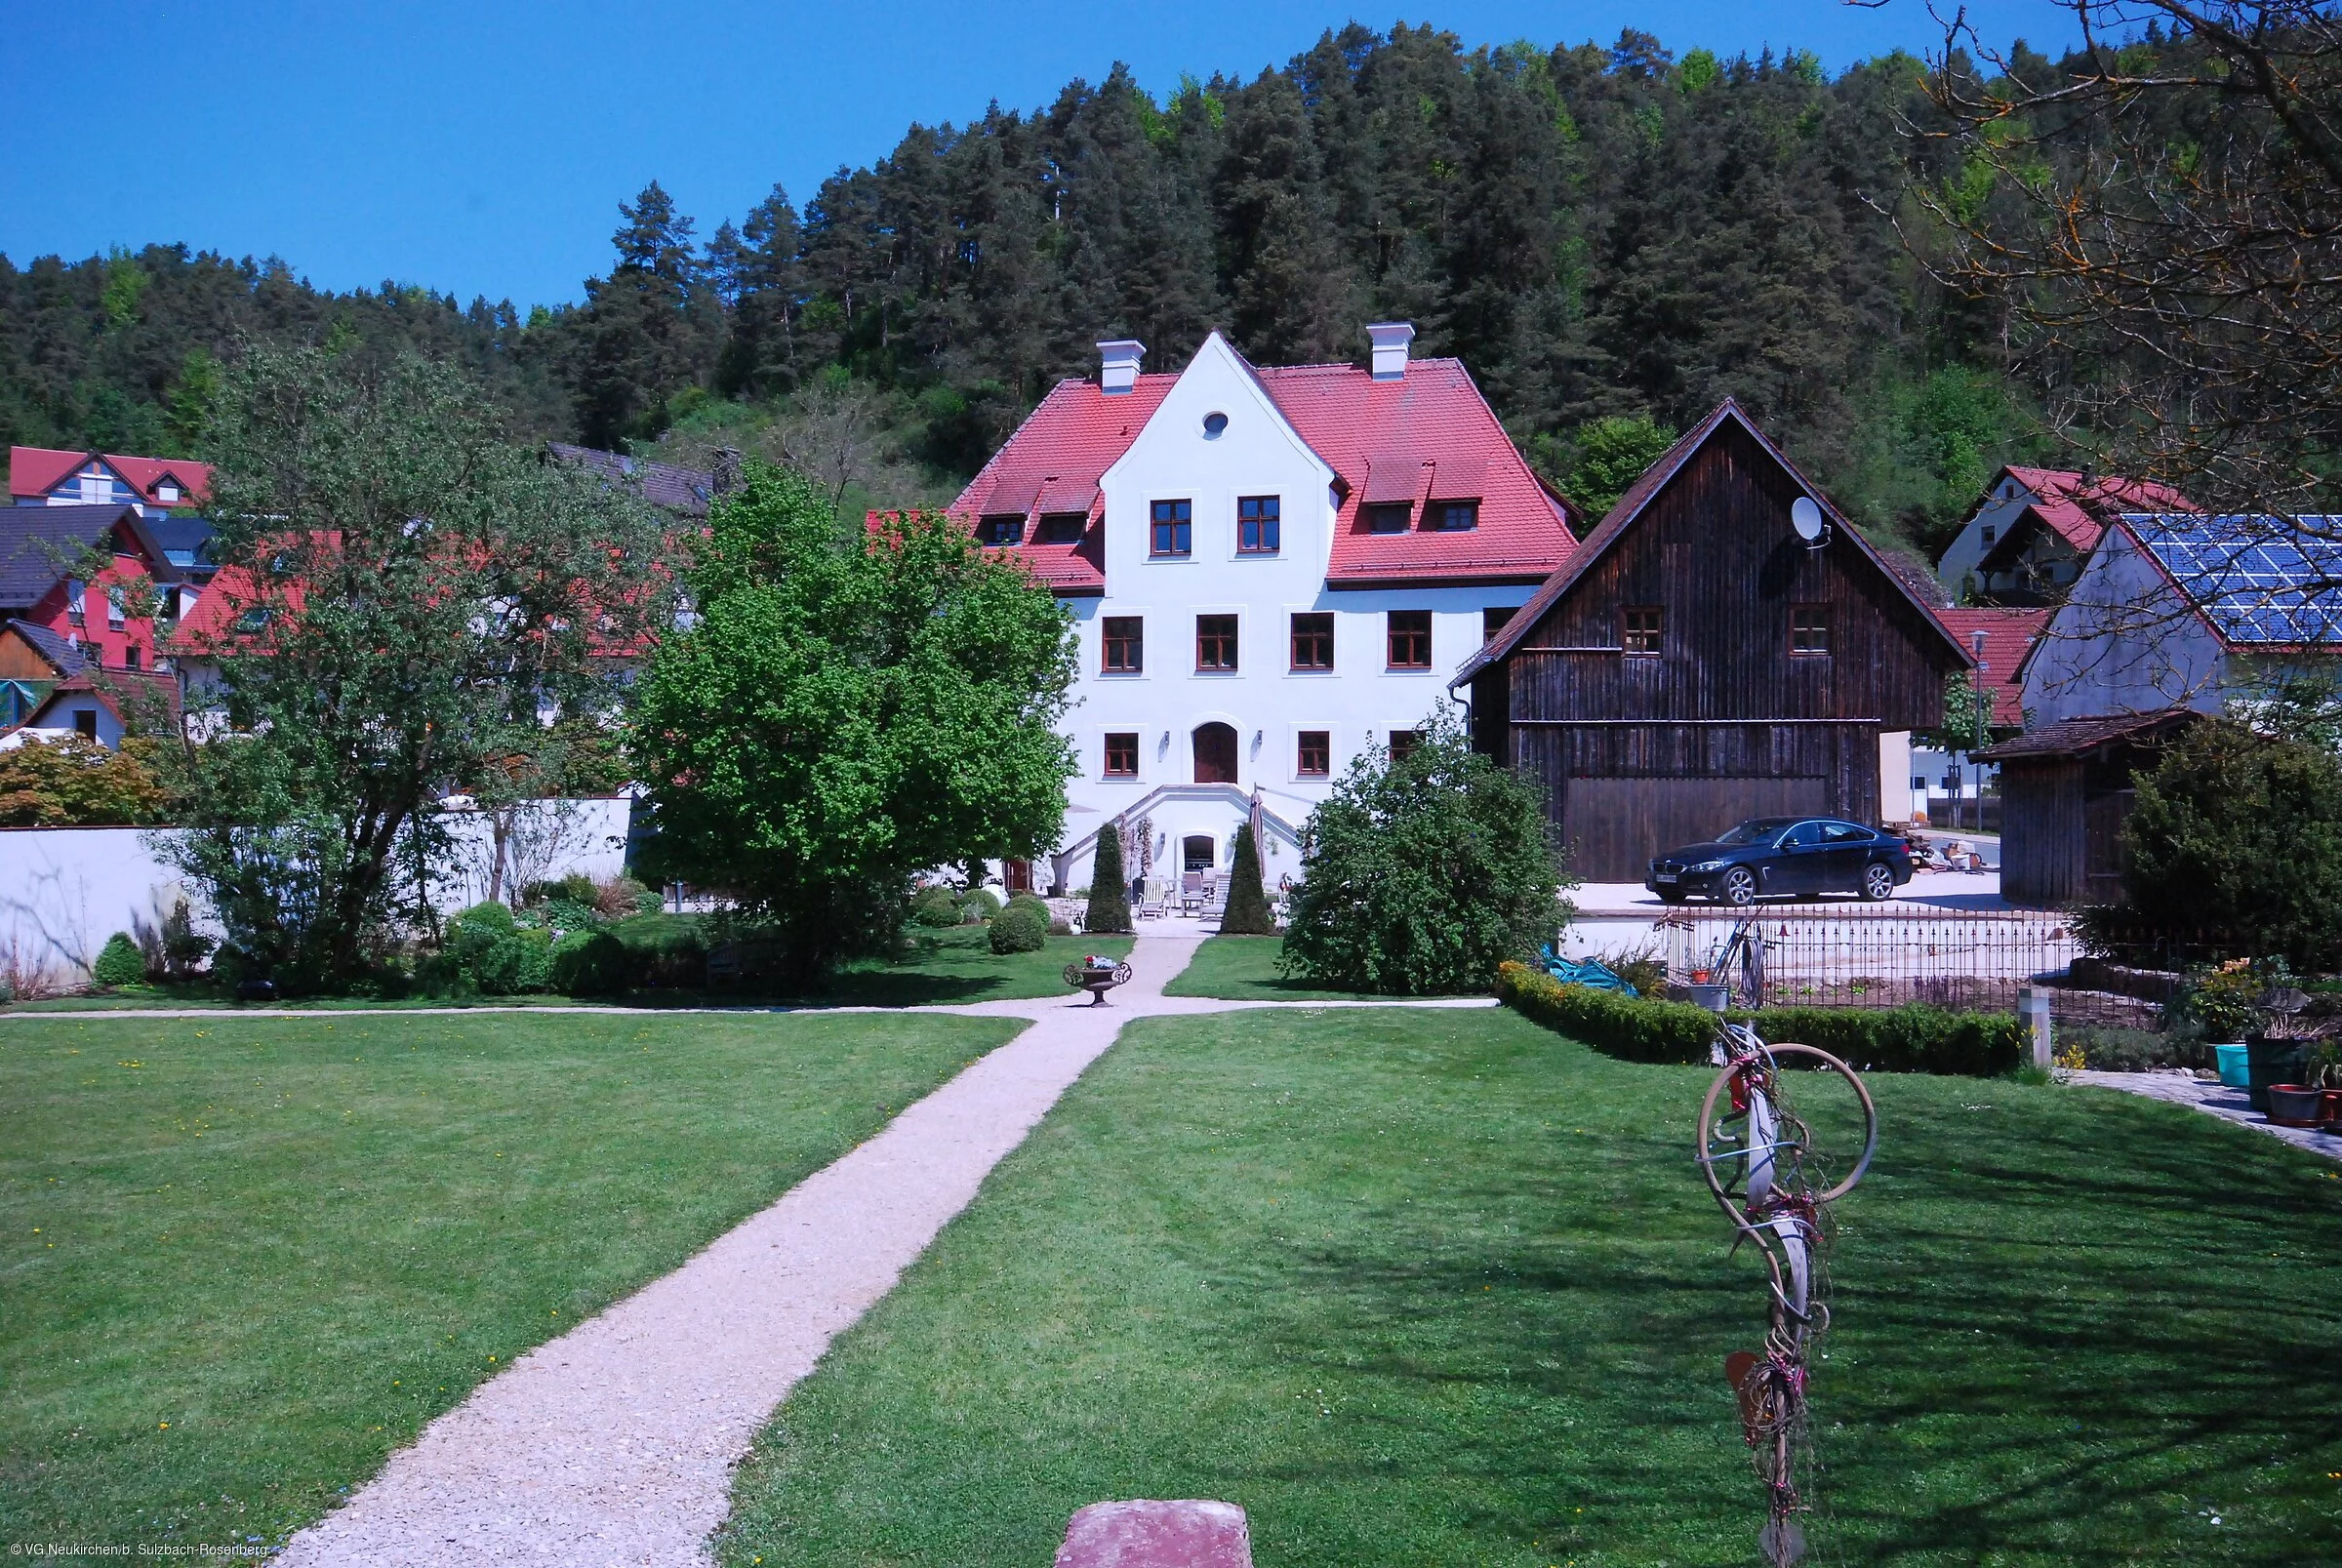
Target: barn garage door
<point>1613,827</point>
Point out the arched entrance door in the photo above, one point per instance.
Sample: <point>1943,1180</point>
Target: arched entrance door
<point>1196,853</point>
<point>1215,753</point>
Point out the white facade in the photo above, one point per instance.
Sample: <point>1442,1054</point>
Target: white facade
<point>1216,440</point>
<point>1986,526</point>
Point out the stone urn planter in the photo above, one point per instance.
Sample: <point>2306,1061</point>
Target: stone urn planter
<point>1097,974</point>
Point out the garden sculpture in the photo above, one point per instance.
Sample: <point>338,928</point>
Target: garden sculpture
<point>1097,974</point>
<point>1775,1168</point>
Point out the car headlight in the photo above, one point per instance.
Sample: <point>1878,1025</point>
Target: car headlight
<point>1709,865</point>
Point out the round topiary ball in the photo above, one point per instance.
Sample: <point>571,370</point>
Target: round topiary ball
<point>1019,928</point>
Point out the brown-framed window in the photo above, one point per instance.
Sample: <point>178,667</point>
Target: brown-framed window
<point>1258,525</point>
<point>1123,757</point>
<point>1410,637</point>
<point>1313,756</point>
<point>1809,628</point>
<point>1313,640</point>
<point>1642,629</point>
<point>1005,529</point>
<point>1062,527</point>
<point>1125,642</point>
<point>129,656</point>
<point>1388,516</point>
<point>1173,529</point>
<point>1215,642</point>
<point>1452,516</point>
<point>1496,617</point>
<point>1402,744</point>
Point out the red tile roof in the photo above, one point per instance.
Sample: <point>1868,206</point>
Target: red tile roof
<point>1424,437</point>
<point>37,471</point>
<point>2078,509</point>
<point>2007,635</point>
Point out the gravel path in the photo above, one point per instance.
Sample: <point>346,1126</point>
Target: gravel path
<point>613,1444</point>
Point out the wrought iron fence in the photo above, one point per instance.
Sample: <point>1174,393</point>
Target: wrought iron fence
<point>1979,960</point>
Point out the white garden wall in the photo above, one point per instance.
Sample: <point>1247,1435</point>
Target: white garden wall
<point>64,890</point>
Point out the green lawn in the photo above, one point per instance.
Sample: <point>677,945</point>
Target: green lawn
<point>243,1259</point>
<point>943,967</point>
<point>1243,969</point>
<point>1442,1288</point>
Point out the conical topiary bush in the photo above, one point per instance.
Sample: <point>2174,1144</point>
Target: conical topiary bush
<point>1247,913</point>
<point>1109,890</point>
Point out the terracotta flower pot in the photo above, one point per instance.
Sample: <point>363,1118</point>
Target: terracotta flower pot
<point>2294,1105</point>
<point>2330,1108</point>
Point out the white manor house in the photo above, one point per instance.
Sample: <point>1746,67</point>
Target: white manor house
<point>1273,571</point>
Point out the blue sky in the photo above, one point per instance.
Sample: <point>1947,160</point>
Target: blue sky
<point>483,147</point>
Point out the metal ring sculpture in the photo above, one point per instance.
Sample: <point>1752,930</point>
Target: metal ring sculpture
<point>1761,1162</point>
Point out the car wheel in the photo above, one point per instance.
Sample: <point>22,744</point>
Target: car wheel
<point>1740,886</point>
<point>1878,882</point>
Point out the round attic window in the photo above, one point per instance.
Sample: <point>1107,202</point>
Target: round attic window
<point>1212,424</point>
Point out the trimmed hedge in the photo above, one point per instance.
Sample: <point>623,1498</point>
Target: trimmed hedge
<point>1019,928</point>
<point>591,963</point>
<point>1897,1039</point>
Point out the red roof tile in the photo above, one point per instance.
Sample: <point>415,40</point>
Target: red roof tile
<point>2007,635</point>
<point>37,471</point>
<point>1431,430</point>
<point>2078,509</point>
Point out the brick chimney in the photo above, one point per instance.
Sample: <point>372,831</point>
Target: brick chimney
<point>1118,364</point>
<point>1390,340</point>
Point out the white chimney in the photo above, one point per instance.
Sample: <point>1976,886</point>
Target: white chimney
<point>1118,364</point>
<point>1390,340</point>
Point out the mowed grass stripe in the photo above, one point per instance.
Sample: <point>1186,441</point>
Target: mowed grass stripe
<point>242,1261</point>
<point>1421,1287</point>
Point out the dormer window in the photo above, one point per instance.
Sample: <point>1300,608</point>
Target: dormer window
<point>1007,528</point>
<point>1387,517</point>
<point>1062,527</point>
<point>166,491</point>
<point>1452,516</point>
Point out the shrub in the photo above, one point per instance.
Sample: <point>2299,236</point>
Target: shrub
<point>1110,884</point>
<point>1019,928</point>
<point>71,782</point>
<point>575,888</point>
<point>2224,1004</point>
<point>623,896</point>
<point>935,906</point>
<point>665,949</point>
<point>1898,1039</point>
<point>493,953</point>
<point>1029,901</point>
<point>589,963</point>
<point>1247,913</point>
<point>2239,836</point>
<point>978,903</point>
<point>1425,873</point>
<point>120,962</point>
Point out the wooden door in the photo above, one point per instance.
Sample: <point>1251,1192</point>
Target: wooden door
<point>1215,754</point>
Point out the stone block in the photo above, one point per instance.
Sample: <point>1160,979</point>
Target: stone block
<point>1144,1534</point>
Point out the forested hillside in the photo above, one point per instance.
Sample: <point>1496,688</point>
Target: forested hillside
<point>1599,232</point>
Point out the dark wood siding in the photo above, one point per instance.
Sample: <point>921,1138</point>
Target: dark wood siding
<point>2041,832</point>
<point>1724,701</point>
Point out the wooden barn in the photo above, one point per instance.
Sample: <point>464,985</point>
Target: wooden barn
<point>2066,790</point>
<point>1723,645</point>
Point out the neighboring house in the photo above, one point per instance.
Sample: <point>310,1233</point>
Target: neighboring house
<point>2185,611</point>
<point>2025,542</point>
<point>32,661</point>
<point>685,492</point>
<point>1702,657</point>
<point>107,615</point>
<point>1270,569</point>
<point>101,706</point>
<point>46,476</point>
<point>1945,784</point>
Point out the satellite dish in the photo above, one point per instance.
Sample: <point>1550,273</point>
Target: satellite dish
<point>1806,518</point>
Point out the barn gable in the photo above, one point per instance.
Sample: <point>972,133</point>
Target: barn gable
<point>1697,661</point>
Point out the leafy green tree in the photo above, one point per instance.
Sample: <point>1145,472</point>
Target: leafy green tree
<point>1425,873</point>
<point>407,597</point>
<point>853,705</point>
<point>2238,835</point>
<point>1110,887</point>
<point>1247,912</point>
<point>73,783</point>
<point>1967,722</point>
<point>1612,453</point>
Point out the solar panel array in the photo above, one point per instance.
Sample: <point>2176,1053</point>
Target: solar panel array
<point>2260,580</point>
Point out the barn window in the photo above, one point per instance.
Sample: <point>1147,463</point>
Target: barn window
<point>1642,629</point>
<point>1123,757</point>
<point>1313,640</point>
<point>1809,629</point>
<point>1314,756</point>
<point>1125,645</point>
<point>1216,643</point>
<point>1495,618</point>
<point>1410,639</point>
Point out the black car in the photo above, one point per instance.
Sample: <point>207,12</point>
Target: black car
<point>1769,857</point>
